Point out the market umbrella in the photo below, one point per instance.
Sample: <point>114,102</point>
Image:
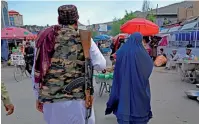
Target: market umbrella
<point>120,36</point>
<point>15,33</point>
<point>145,27</point>
<point>101,37</point>
<point>117,38</point>
<point>33,37</point>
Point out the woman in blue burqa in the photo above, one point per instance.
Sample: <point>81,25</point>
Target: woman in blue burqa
<point>130,94</point>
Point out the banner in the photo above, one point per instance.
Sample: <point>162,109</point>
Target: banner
<point>17,59</point>
<point>102,27</point>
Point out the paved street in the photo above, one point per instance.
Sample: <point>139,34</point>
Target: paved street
<point>169,104</point>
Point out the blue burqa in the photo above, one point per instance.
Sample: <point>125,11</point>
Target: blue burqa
<point>130,94</point>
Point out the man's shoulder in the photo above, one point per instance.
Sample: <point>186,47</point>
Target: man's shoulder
<point>68,31</point>
<point>51,28</point>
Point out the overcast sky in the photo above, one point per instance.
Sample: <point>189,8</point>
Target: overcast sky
<point>45,12</point>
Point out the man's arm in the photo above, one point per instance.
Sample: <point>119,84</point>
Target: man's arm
<point>35,85</point>
<point>4,95</point>
<point>97,59</point>
<point>175,58</point>
<point>6,100</point>
<point>192,57</point>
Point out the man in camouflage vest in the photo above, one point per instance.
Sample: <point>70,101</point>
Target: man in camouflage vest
<point>58,82</point>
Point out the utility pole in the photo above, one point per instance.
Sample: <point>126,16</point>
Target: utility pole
<point>157,10</point>
<point>157,15</point>
<point>89,25</point>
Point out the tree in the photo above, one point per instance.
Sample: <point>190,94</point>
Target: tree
<point>115,27</point>
<point>146,6</point>
<point>118,22</point>
<point>94,33</point>
<point>127,17</point>
<point>151,17</point>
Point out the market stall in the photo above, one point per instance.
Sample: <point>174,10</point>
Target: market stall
<point>103,42</point>
<point>12,37</point>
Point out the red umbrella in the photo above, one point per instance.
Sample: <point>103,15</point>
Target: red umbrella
<point>15,33</point>
<point>145,27</point>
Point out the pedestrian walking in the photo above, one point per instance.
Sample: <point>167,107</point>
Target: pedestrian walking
<point>60,70</point>
<point>130,94</point>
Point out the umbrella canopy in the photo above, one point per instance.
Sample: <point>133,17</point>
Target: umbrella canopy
<point>117,38</point>
<point>33,37</point>
<point>120,36</point>
<point>145,27</point>
<point>15,33</point>
<point>101,37</point>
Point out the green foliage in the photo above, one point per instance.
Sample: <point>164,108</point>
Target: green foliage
<point>115,27</point>
<point>94,33</point>
<point>118,22</point>
<point>151,17</point>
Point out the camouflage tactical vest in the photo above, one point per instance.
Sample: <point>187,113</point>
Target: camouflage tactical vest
<point>66,70</point>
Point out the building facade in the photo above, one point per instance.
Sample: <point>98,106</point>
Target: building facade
<point>4,15</point>
<point>16,19</point>
<point>101,28</point>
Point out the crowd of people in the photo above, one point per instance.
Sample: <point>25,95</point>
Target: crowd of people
<point>163,59</point>
<point>175,56</point>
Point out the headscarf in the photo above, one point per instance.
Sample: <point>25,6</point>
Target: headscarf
<point>45,49</point>
<point>130,94</point>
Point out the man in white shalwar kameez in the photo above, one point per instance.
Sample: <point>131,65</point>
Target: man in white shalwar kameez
<point>70,111</point>
<point>172,61</point>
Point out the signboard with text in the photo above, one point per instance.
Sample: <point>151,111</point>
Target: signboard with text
<point>102,27</point>
<point>17,59</point>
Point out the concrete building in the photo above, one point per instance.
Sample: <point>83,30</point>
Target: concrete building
<point>16,19</point>
<point>35,28</point>
<point>4,14</point>
<point>101,28</point>
<point>190,12</point>
<point>81,26</point>
<point>167,14</point>
<point>164,15</point>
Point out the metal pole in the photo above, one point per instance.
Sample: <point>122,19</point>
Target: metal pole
<point>181,38</point>
<point>197,29</point>
<point>189,36</point>
<point>185,37</point>
<point>178,38</point>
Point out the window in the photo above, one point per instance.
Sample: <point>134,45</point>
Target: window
<point>11,18</point>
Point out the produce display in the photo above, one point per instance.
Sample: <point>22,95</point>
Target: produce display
<point>160,61</point>
<point>104,76</point>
